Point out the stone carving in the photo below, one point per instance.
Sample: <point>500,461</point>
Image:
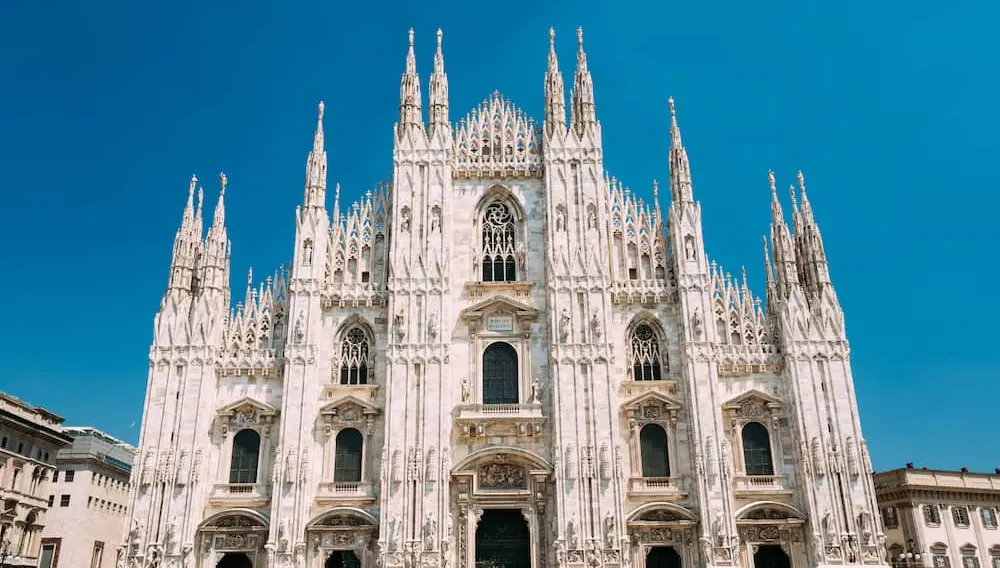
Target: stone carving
<point>430,531</point>
<point>307,252</point>
<point>303,466</point>
<point>727,459</point>
<point>283,535</point>
<point>135,535</point>
<point>522,256</point>
<point>852,457</point>
<point>571,538</point>
<point>560,218</point>
<point>591,218</point>
<point>299,333</point>
<point>404,221</point>
<point>290,465</point>
<point>595,325</point>
<point>465,390</point>
<point>752,408</point>
<point>171,537</point>
<point>817,457</point>
<point>430,467</point>
<point>502,476</point>
<point>196,467</point>
<point>399,321</point>
<point>120,556</point>
<point>244,415</point>
<point>276,465</point>
<point>435,219</point>
<point>689,252</point>
<point>610,538</point>
<point>697,323</point>
<point>395,533</point>
<point>605,462</point>
<point>570,462</point>
<point>564,320</point>
<point>536,392</point>
<point>432,327</point>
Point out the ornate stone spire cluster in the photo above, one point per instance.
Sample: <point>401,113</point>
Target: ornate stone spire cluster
<point>639,237</point>
<point>497,138</point>
<point>583,110</point>
<point>410,115</point>
<point>438,120</point>
<point>316,167</point>
<point>739,317</point>
<point>680,168</point>
<point>258,326</point>
<point>356,259</point>
<point>555,92</point>
<point>199,264</point>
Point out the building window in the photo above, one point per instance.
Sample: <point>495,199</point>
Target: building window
<point>757,449</point>
<point>355,358</point>
<point>989,517</point>
<point>55,476</point>
<point>931,515</point>
<point>95,558</point>
<point>500,374</point>
<point>499,246</point>
<point>644,354</point>
<point>960,515</point>
<point>52,500</point>
<point>970,561</point>
<point>48,552</point>
<point>889,518</point>
<point>653,449</point>
<point>246,454</point>
<point>347,456</point>
<point>69,476</point>
<point>64,500</point>
<point>995,561</point>
<point>941,561</point>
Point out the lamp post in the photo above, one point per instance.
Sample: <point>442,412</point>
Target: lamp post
<point>4,552</point>
<point>910,557</point>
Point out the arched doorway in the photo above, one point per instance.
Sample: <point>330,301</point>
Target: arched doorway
<point>771,556</point>
<point>343,559</point>
<point>663,557</point>
<point>503,540</point>
<point>235,560</point>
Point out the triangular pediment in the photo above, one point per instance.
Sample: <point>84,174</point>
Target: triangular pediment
<point>653,399</point>
<point>753,403</point>
<point>500,305</point>
<point>249,408</point>
<point>349,408</point>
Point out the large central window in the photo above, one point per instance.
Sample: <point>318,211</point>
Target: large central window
<point>500,374</point>
<point>499,262</point>
<point>644,354</point>
<point>355,358</point>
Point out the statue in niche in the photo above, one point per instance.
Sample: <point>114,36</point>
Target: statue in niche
<point>571,538</point>
<point>400,323</point>
<point>430,531</point>
<point>609,530</point>
<point>283,535</point>
<point>432,327</point>
<point>560,219</point>
<point>465,389</point>
<point>435,220</point>
<point>404,222</point>
<point>595,325</point>
<point>299,332</point>
<point>307,252</point>
<point>536,392</point>
<point>171,537</point>
<point>689,247</point>
<point>564,320</point>
<point>592,219</point>
<point>522,257</point>
<point>697,324</point>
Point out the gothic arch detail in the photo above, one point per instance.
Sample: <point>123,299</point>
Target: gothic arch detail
<point>500,254</point>
<point>355,361</point>
<point>646,351</point>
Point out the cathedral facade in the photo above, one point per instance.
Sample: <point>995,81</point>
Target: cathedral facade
<point>501,358</point>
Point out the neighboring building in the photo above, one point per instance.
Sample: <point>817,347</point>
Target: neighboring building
<point>501,358</point>
<point>949,518</point>
<point>30,436</point>
<point>89,499</point>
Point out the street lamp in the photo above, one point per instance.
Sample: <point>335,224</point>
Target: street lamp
<point>910,557</point>
<point>4,552</point>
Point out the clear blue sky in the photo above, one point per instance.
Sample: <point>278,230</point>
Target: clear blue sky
<point>889,108</point>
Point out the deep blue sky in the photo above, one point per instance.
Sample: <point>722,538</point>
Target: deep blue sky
<point>107,108</point>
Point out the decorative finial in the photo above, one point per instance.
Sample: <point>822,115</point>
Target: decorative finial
<point>194,182</point>
<point>802,181</point>
<point>579,36</point>
<point>321,107</point>
<point>552,38</point>
<point>770,180</point>
<point>250,277</point>
<point>656,191</point>
<point>411,37</point>
<point>223,180</point>
<point>670,103</point>
<point>440,34</point>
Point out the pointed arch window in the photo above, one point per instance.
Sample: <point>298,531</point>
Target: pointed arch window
<point>644,354</point>
<point>499,246</point>
<point>757,449</point>
<point>355,358</point>
<point>653,450</point>
<point>500,374</point>
<point>347,456</point>
<point>246,455</point>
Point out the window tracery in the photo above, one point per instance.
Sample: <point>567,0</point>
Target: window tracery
<point>499,244</point>
<point>355,358</point>
<point>645,358</point>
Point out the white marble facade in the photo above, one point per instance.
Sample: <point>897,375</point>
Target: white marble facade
<point>501,357</point>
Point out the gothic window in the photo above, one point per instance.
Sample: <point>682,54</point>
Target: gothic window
<point>499,250</point>
<point>500,376</point>
<point>246,454</point>
<point>757,449</point>
<point>347,456</point>
<point>355,358</point>
<point>644,354</point>
<point>989,517</point>
<point>960,515</point>
<point>931,515</point>
<point>653,449</point>
<point>889,518</point>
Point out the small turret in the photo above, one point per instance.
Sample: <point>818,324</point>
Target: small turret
<point>584,114</point>
<point>814,271</point>
<point>438,112</point>
<point>315,195</point>
<point>555,92</point>
<point>410,115</point>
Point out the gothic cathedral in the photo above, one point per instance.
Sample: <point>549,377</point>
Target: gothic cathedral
<point>501,358</point>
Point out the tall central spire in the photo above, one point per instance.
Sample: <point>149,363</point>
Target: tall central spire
<point>583,89</point>
<point>410,115</point>
<point>680,168</point>
<point>555,92</point>
<point>316,167</point>
<point>438,119</point>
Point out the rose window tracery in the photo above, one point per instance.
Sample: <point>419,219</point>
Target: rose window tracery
<point>498,244</point>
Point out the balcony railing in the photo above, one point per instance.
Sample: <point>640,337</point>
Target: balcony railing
<point>241,491</point>
<point>657,485</point>
<point>344,491</point>
<point>761,483</point>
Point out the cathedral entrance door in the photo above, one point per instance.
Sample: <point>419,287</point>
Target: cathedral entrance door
<point>771,556</point>
<point>343,559</point>
<point>503,540</point>
<point>663,557</point>
<point>235,560</point>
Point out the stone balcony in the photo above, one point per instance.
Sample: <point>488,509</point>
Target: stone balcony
<point>483,420</point>
<point>345,492</point>
<point>762,485</point>
<point>668,488</point>
<point>241,494</point>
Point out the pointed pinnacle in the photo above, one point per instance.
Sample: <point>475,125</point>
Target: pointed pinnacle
<point>411,37</point>
<point>552,38</point>
<point>673,111</point>
<point>194,182</point>
<point>770,180</point>
<point>579,37</point>
<point>439,36</point>
<point>223,181</point>
<point>802,181</point>
<point>321,107</point>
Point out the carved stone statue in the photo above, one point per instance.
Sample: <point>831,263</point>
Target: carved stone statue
<point>571,538</point>
<point>299,332</point>
<point>697,323</point>
<point>560,219</point>
<point>609,530</point>
<point>564,320</point>
<point>307,252</point>
<point>592,219</point>
<point>404,222</point>
<point>171,537</point>
<point>283,535</point>
<point>522,257</point>
<point>689,252</point>
<point>120,558</point>
<point>400,323</point>
<point>435,220</point>
<point>536,392</point>
<point>432,327</point>
<point>465,390</point>
<point>595,325</point>
<point>430,531</point>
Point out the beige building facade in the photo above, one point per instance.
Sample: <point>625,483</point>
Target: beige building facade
<point>501,357</point>
<point>30,437</point>
<point>944,519</point>
<point>89,500</point>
